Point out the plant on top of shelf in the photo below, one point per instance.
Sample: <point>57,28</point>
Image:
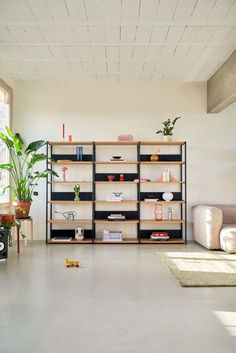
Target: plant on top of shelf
<point>24,177</point>
<point>76,189</point>
<point>167,131</point>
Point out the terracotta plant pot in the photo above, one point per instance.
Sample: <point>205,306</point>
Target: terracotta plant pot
<point>167,138</point>
<point>22,208</point>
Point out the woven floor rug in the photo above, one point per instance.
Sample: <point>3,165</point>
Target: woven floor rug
<point>201,269</point>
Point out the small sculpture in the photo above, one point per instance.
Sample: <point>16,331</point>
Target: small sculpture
<point>72,263</point>
<point>158,212</point>
<point>64,169</point>
<point>76,189</point>
<point>111,177</point>
<point>121,177</point>
<point>154,157</point>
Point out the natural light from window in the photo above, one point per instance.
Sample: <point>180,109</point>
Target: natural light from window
<point>228,319</point>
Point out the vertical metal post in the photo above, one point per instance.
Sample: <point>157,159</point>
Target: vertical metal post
<point>138,191</point>
<point>185,191</point>
<point>181,189</point>
<point>93,192</point>
<point>47,195</point>
<point>50,205</point>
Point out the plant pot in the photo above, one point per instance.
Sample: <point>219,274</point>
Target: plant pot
<point>167,138</point>
<point>22,208</point>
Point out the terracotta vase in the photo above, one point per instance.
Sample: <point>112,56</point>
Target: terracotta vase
<point>22,208</point>
<point>154,157</point>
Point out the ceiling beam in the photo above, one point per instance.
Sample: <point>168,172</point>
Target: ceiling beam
<point>115,44</point>
<point>221,87</point>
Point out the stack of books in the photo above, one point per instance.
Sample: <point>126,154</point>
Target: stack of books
<point>116,217</point>
<point>111,235</point>
<point>124,138</point>
<point>159,236</point>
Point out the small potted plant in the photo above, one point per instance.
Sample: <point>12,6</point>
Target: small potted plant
<point>76,189</point>
<point>8,221</point>
<point>167,131</point>
<point>24,177</point>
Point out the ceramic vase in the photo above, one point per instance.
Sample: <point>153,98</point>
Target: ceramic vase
<point>167,138</point>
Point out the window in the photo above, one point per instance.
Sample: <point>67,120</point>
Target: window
<point>5,95</point>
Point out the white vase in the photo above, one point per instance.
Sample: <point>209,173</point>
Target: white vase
<point>167,138</point>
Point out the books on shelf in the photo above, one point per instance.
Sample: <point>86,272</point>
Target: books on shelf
<point>151,200</point>
<point>159,236</point>
<point>62,239</point>
<point>111,235</point>
<point>116,217</point>
<point>114,199</point>
<point>141,180</point>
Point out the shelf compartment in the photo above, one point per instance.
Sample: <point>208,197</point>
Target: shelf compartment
<point>70,202</point>
<point>67,143</point>
<point>56,163</point>
<point>72,222</point>
<point>161,158</point>
<point>128,177</point>
<point>162,143</point>
<point>69,196</point>
<point>119,143</point>
<point>73,241</point>
<point>176,221</point>
<point>158,195</point>
<point>116,162</point>
<point>72,157</point>
<point>129,221</point>
<point>130,215</point>
<point>170,241</point>
<point>125,241</point>
<point>161,202</point>
<point>116,202</point>
<point>70,182</point>
<point>162,182</point>
<point>162,162</point>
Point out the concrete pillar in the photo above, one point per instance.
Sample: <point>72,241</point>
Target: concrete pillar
<point>221,87</point>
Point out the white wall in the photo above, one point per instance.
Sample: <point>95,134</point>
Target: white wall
<point>97,111</point>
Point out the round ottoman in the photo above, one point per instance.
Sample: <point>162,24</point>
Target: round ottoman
<point>228,238</point>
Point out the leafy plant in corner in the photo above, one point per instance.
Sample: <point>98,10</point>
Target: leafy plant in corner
<point>22,165</point>
<point>168,127</point>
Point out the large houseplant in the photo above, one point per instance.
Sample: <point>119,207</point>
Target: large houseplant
<point>24,177</point>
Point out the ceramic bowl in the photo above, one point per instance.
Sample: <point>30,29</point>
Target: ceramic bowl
<point>167,196</point>
<point>117,194</point>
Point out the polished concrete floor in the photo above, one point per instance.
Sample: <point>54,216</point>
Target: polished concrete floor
<point>121,300</point>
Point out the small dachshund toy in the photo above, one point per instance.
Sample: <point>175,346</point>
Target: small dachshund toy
<point>72,263</point>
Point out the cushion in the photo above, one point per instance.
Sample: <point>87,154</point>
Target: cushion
<point>228,238</point>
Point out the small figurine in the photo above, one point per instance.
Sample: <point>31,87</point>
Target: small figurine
<point>64,169</point>
<point>121,177</point>
<point>72,263</point>
<point>154,157</point>
<point>111,177</point>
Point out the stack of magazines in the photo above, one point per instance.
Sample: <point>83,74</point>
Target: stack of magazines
<point>159,236</point>
<point>114,198</point>
<point>116,217</point>
<point>111,235</point>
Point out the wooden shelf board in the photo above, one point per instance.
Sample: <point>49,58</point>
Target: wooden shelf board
<point>69,202</point>
<point>72,222</point>
<point>115,182</point>
<point>161,222</point>
<point>116,162</point>
<point>116,202</point>
<point>162,143</point>
<point>162,182</point>
<point>61,163</point>
<point>124,241</point>
<point>130,221</point>
<point>119,143</point>
<point>67,143</point>
<point>85,241</point>
<point>170,241</point>
<point>161,202</point>
<point>162,162</point>
<point>70,182</point>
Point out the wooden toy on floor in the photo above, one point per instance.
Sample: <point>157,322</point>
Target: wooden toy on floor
<point>72,263</point>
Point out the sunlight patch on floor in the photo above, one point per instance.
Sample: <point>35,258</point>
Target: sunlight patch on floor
<point>228,319</point>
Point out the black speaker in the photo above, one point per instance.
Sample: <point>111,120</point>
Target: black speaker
<point>3,243</point>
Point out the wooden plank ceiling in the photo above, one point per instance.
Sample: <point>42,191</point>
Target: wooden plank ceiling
<point>116,40</point>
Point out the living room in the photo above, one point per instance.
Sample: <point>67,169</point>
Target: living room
<point>117,179</point>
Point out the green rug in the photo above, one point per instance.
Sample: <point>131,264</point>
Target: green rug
<point>201,269</point>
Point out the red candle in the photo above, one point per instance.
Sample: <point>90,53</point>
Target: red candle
<point>63,131</point>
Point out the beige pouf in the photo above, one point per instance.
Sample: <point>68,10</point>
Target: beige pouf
<point>228,238</point>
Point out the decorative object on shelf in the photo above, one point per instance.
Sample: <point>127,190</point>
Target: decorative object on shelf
<point>72,263</point>
<point>22,170</point>
<point>150,199</point>
<point>69,138</point>
<point>62,239</point>
<point>79,153</point>
<point>7,222</point>
<point>170,214</point>
<point>141,180</point>
<point>76,189</point>
<point>111,235</point>
<point>115,198</point>
<point>79,233</point>
<point>159,236</point>
<point>69,215</point>
<point>125,138</point>
<point>167,196</point>
<point>166,177</point>
<point>158,212</point>
<point>121,178</point>
<point>63,132</point>
<point>64,169</point>
<point>116,159</point>
<point>3,244</point>
<point>154,157</point>
<point>116,217</point>
<point>111,177</point>
<point>167,131</point>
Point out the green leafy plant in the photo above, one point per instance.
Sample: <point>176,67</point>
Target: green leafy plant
<point>76,189</point>
<point>168,127</point>
<point>8,221</point>
<point>22,166</point>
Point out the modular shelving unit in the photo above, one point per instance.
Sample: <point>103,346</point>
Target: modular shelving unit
<point>177,227</point>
